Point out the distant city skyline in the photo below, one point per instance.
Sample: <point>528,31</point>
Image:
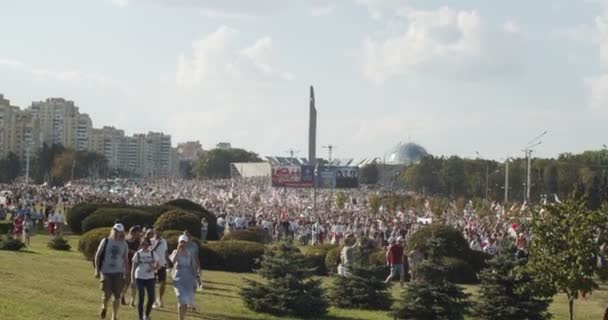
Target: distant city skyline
<point>455,76</point>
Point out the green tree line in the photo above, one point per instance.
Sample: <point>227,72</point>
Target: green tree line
<point>455,177</point>
<point>54,164</point>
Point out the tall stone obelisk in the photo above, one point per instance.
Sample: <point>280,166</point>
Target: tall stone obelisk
<point>312,129</point>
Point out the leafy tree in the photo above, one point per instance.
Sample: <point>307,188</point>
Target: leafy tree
<point>10,168</point>
<point>43,162</point>
<point>369,174</point>
<point>506,294</point>
<point>288,288</point>
<point>431,296</point>
<point>340,200</point>
<point>216,163</point>
<point>362,288</point>
<point>81,164</point>
<point>565,246</point>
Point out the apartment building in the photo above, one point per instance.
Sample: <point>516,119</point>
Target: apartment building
<point>59,121</point>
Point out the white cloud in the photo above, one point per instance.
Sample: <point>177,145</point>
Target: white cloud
<point>120,3</point>
<point>220,14</point>
<point>601,24</point>
<point>379,9</point>
<point>216,59</point>
<point>323,10</point>
<point>599,93</point>
<point>446,40</point>
<point>260,54</point>
<point>76,76</point>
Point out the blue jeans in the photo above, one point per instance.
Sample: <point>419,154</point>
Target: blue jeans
<point>148,285</point>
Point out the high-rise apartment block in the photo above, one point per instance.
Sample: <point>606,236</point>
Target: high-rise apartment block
<point>59,121</point>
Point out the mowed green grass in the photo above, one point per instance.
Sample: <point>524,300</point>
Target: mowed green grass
<point>46,284</point>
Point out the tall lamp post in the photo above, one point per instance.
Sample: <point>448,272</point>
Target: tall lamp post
<point>528,153</point>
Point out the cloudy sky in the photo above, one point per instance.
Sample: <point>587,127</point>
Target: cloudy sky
<point>455,76</point>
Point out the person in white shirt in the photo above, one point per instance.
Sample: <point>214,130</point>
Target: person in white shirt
<point>144,265</point>
<point>160,248</point>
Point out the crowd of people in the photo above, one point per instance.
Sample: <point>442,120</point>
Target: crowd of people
<point>136,260</point>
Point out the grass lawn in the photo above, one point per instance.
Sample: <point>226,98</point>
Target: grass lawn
<point>47,284</point>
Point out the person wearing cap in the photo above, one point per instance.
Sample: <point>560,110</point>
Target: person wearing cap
<point>111,267</point>
<point>184,276</point>
<point>143,267</point>
<point>193,248</point>
<point>394,258</point>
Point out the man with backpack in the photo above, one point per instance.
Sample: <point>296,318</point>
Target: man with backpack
<point>111,268</point>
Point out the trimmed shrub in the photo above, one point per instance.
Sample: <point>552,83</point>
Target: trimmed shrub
<point>6,227</point>
<point>59,243</point>
<point>210,259</point>
<point>156,211</point>
<point>453,242</point>
<point>179,220</point>
<point>316,255</point>
<point>200,212</point>
<point>332,259</point>
<point>105,217</point>
<point>11,244</point>
<point>252,234</point>
<point>89,241</point>
<point>478,260</point>
<point>459,271</point>
<point>81,211</point>
<point>232,256</point>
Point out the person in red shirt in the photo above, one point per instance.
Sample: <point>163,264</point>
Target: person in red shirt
<point>394,259</point>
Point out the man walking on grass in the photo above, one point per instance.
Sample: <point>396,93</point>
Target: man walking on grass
<point>111,268</point>
<point>160,247</point>
<point>394,258</point>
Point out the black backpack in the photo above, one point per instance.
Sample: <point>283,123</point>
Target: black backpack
<point>102,255</point>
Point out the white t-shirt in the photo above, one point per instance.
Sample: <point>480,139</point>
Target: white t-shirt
<point>143,264</point>
<point>161,251</point>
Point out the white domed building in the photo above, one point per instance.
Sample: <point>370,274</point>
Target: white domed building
<point>406,154</point>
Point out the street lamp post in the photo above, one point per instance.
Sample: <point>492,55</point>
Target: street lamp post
<point>528,152</point>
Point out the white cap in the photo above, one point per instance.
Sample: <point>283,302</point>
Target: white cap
<point>183,237</point>
<point>119,227</point>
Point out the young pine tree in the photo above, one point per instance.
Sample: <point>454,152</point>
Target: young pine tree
<point>362,287</point>
<point>288,289</point>
<point>507,294</point>
<point>432,296</point>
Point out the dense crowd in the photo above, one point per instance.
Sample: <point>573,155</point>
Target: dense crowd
<point>309,217</point>
<point>295,214</point>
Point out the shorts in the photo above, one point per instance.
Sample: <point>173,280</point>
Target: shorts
<point>112,284</point>
<point>397,270</point>
<point>161,274</point>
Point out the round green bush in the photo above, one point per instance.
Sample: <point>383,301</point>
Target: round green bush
<point>179,220</point>
<point>6,227</point>
<point>156,211</point>
<point>81,211</point>
<point>316,255</point>
<point>332,259</point>
<point>59,243</point>
<point>455,245</point>
<point>252,234</point>
<point>89,241</point>
<point>106,217</point>
<point>232,256</point>
<point>11,244</point>
<point>460,271</point>
<point>478,260</point>
<point>200,212</point>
